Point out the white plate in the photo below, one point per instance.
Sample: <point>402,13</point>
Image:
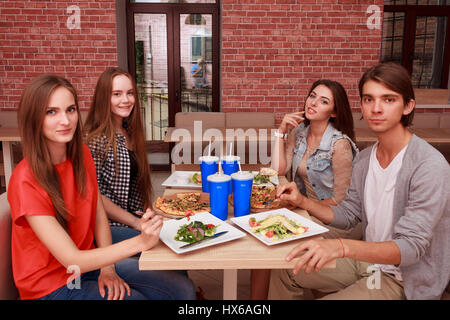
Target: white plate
<point>273,179</point>
<point>170,229</point>
<point>313,228</point>
<point>181,179</point>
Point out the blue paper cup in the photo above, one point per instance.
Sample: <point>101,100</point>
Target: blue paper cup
<point>242,191</point>
<point>230,165</point>
<point>208,166</point>
<point>218,194</point>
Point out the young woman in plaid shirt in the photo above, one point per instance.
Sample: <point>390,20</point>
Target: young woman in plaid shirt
<point>115,136</point>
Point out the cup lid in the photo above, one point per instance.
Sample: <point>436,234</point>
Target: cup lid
<point>217,177</point>
<point>242,175</point>
<point>208,158</point>
<point>231,158</point>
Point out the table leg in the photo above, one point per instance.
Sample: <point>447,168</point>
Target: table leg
<point>230,284</point>
<point>8,161</point>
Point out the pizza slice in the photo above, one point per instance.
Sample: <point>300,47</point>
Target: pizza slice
<point>183,204</point>
<point>264,197</point>
<point>189,196</point>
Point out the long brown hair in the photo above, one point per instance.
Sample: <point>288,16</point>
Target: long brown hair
<point>395,77</point>
<point>31,113</point>
<point>99,122</point>
<point>344,119</point>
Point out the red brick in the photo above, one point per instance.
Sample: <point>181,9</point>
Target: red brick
<point>297,51</point>
<point>271,50</point>
<point>35,40</point>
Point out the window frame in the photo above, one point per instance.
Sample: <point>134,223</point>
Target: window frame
<point>203,49</point>
<point>411,14</point>
<point>173,10</point>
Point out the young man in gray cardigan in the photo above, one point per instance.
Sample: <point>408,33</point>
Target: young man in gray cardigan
<point>400,191</point>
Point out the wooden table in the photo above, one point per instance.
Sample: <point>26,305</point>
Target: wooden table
<point>7,137</point>
<point>243,253</point>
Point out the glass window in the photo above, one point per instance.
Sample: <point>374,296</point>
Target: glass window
<point>429,49</point>
<point>414,35</point>
<point>152,72</point>
<point>195,19</point>
<point>196,62</point>
<point>393,29</point>
<point>201,47</point>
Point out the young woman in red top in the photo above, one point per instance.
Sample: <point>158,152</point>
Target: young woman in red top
<point>61,240</point>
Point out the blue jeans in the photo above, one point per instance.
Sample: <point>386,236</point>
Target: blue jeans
<point>123,233</point>
<point>144,285</point>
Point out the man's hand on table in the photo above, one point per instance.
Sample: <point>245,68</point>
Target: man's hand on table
<point>316,253</point>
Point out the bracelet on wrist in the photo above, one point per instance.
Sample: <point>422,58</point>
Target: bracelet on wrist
<point>283,136</point>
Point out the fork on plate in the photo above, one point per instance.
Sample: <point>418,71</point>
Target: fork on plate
<point>272,197</point>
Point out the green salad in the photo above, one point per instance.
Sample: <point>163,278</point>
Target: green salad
<point>195,231</point>
<point>276,225</point>
<point>261,179</point>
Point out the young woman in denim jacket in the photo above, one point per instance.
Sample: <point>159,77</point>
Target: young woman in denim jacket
<point>319,149</point>
<point>316,145</point>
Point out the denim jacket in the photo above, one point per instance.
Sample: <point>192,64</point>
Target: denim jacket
<point>318,166</point>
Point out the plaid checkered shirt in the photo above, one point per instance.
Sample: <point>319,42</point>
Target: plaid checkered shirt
<point>119,189</point>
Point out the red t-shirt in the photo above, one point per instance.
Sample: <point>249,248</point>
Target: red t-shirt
<point>36,271</point>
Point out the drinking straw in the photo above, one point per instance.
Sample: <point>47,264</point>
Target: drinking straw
<point>231,147</point>
<point>220,161</point>
<point>239,163</point>
<point>209,147</point>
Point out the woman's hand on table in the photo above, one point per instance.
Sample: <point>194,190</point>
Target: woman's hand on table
<point>290,192</point>
<point>314,254</point>
<point>151,225</point>
<point>290,121</point>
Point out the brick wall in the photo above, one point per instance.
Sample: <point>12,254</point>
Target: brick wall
<point>37,37</point>
<point>272,51</point>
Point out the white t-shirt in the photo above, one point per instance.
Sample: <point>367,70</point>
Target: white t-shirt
<point>379,202</point>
